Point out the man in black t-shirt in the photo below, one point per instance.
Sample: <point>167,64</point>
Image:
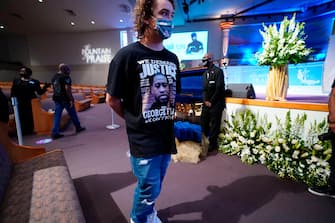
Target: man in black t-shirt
<point>63,98</point>
<point>150,130</point>
<point>329,189</point>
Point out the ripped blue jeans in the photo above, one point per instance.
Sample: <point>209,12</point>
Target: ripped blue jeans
<point>150,173</point>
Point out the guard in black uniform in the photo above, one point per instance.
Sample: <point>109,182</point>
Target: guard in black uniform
<point>24,88</point>
<point>213,101</point>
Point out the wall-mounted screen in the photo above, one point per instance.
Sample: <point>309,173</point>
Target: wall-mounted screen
<point>188,45</point>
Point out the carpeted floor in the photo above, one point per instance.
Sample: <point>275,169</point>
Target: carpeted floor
<point>218,189</point>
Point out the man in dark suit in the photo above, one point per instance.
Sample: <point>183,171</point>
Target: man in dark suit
<point>213,101</point>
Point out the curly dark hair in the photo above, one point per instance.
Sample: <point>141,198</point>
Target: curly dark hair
<point>143,11</point>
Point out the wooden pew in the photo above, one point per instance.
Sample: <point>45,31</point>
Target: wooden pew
<point>80,102</point>
<point>43,115</point>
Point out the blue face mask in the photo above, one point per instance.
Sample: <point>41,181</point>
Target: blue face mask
<point>164,28</point>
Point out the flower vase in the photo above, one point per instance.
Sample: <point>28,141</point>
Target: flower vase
<point>276,89</point>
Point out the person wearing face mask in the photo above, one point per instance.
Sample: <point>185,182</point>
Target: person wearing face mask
<point>213,101</point>
<point>150,130</point>
<point>24,88</point>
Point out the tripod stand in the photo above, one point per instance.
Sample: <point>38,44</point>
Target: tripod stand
<point>113,125</point>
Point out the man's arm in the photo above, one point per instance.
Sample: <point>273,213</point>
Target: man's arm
<point>205,99</point>
<point>219,84</point>
<point>38,88</point>
<point>116,104</point>
<point>4,117</point>
<point>331,108</point>
<point>68,89</point>
<point>13,91</point>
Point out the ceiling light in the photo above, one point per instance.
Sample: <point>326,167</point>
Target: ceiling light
<point>121,20</point>
<point>40,1</point>
<point>2,27</point>
<point>72,23</point>
<point>92,22</point>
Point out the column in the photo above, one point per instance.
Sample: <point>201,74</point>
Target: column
<point>225,27</point>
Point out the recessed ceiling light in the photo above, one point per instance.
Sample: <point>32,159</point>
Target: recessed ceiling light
<point>2,27</point>
<point>40,1</point>
<point>121,20</point>
<point>72,23</point>
<point>92,22</point>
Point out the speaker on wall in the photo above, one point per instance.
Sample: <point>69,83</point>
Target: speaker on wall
<point>242,90</point>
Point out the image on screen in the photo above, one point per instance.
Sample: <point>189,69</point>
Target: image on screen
<point>188,45</point>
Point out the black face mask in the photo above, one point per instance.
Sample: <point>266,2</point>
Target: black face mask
<point>24,75</point>
<point>205,62</point>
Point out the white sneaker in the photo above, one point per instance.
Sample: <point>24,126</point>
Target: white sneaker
<point>153,218</point>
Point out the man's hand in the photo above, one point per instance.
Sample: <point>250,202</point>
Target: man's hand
<point>208,104</point>
<point>47,85</point>
<point>331,121</point>
<point>332,126</point>
<point>331,117</point>
<point>116,104</point>
<point>71,103</point>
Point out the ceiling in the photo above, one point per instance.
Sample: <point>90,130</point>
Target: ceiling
<point>32,17</point>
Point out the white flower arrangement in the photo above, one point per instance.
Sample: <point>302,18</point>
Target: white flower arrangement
<point>285,151</point>
<point>284,45</point>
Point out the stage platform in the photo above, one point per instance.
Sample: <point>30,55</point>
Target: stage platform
<point>301,102</point>
<point>308,98</point>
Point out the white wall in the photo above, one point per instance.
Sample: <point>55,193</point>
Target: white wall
<point>47,51</point>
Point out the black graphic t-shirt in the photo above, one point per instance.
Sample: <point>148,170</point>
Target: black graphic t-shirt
<point>59,81</point>
<point>146,81</point>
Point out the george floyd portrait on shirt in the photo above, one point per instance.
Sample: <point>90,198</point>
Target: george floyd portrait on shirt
<point>160,90</point>
<point>158,99</point>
